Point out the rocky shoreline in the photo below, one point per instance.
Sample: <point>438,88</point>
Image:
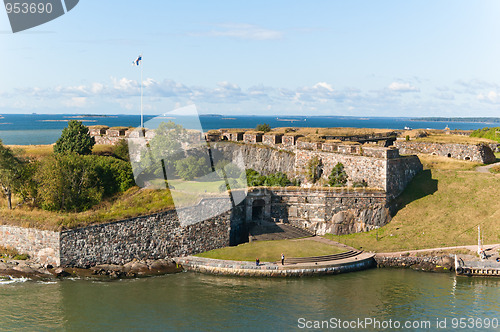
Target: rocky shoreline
<point>134,269</point>
<point>443,263</point>
<point>146,268</point>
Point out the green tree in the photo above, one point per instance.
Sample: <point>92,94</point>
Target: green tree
<point>314,169</point>
<point>68,182</point>
<point>338,176</point>
<point>27,188</point>
<point>120,150</point>
<point>263,127</point>
<point>114,175</point>
<point>11,168</point>
<point>228,169</point>
<point>191,167</point>
<point>75,138</point>
<point>254,179</point>
<point>278,179</point>
<point>163,151</point>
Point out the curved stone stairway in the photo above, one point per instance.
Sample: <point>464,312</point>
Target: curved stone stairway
<point>326,258</point>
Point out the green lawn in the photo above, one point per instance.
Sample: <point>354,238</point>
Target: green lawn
<point>196,187</point>
<point>457,139</point>
<point>270,251</point>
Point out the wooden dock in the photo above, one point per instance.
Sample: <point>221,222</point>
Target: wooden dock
<point>483,268</point>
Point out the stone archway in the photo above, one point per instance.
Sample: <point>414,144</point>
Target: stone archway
<point>258,212</point>
<point>258,205</point>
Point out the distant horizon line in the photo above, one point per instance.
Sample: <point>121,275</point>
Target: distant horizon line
<point>266,116</point>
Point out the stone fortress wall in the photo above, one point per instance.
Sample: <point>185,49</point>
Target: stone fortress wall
<point>336,211</point>
<point>377,166</point>
<point>160,235</point>
<point>320,210</point>
<point>153,236</point>
<point>372,163</point>
<point>481,153</point>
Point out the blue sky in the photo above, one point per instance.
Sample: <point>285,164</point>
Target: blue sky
<point>359,58</point>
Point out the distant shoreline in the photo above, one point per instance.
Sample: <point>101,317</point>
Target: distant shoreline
<point>467,120</point>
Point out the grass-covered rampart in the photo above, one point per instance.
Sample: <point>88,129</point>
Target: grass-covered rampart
<point>441,207</point>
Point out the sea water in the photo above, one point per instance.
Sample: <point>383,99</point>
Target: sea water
<point>24,129</point>
<point>194,302</point>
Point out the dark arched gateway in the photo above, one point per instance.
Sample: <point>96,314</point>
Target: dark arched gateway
<point>258,209</point>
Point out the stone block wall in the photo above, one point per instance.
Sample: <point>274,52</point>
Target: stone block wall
<point>327,211</point>
<point>272,139</point>
<point>400,171</point>
<point>252,138</point>
<point>42,246</point>
<point>260,158</point>
<point>150,237</point>
<point>480,153</point>
<point>290,140</point>
<point>309,145</point>
<point>358,168</point>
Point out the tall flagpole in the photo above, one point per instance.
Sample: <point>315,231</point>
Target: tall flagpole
<point>142,116</point>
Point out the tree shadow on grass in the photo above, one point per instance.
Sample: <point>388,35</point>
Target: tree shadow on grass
<point>422,185</point>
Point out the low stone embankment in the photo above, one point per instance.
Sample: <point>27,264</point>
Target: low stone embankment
<point>443,263</point>
<point>248,269</point>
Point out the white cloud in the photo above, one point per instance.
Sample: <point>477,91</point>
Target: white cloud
<point>76,102</point>
<point>240,31</point>
<point>121,94</point>
<point>490,97</point>
<point>402,87</point>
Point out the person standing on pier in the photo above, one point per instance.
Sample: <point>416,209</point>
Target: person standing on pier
<point>282,259</point>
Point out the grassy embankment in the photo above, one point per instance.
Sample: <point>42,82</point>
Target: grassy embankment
<point>270,251</point>
<point>441,207</point>
<point>457,139</point>
<point>134,202</point>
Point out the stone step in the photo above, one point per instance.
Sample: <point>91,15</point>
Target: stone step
<point>326,258</point>
<point>269,232</point>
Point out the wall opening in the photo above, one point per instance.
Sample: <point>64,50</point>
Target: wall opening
<point>258,209</point>
<point>467,158</point>
<point>449,155</point>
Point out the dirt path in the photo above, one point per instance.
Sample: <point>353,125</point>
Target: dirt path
<point>486,169</point>
<point>487,247</point>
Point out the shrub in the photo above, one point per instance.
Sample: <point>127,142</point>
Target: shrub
<point>338,176</point>
<point>361,184</point>
<point>263,127</point>
<point>314,169</point>
<point>230,170</point>
<point>114,175</point>
<point>165,149</point>
<point>120,150</point>
<point>75,138</point>
<point>10,172</point>
<point>67,182</point>
<point>71,182</point>
<point>279,179</point>
<point>490,133</point>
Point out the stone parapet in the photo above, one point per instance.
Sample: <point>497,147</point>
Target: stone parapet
<point>480,153</point>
